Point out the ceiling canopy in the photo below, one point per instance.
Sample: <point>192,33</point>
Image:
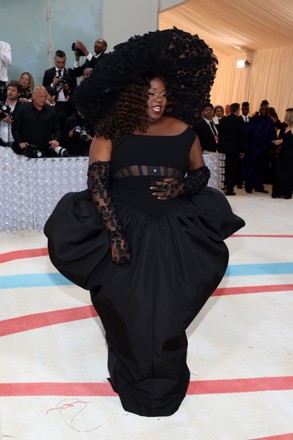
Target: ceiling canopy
<point>233,27</point>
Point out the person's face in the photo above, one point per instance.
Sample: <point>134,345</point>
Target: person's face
<point>99,46</point>
<point>60,62</point>
<point>208,113</point>
<point>86,73</point>
<point>25,80</point>
<point>157,100</point>
<point>227,109</point>
<point>40,97</point>
<point>219,112</point>
<point>245,111</point>
<point>12,93</point>
<point>264,110</point>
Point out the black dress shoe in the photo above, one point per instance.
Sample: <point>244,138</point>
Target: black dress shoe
<point>261,191</point>
<point>249,191</point>
<point>230,193</point>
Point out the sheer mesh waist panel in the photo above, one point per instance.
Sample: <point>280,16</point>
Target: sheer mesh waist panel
<point>148,170</point>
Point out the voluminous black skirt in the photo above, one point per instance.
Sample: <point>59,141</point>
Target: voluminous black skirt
<point>178,260</point>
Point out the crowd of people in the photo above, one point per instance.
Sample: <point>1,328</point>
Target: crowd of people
<point>253,143</point>
<point>258,147</point>
<point>42,120</point>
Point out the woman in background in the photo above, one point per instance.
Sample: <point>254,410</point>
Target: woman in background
<point>218,114</point>
<point>28,84</point>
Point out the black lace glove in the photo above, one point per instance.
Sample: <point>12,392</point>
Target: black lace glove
<point>99,187</point>
<point>169,188</point>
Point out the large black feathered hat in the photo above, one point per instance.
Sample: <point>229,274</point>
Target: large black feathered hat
<point>185,60</point>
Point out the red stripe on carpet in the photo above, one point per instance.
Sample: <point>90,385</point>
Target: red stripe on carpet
<point>39,320</point>
<point>252,289</point>
<point>241,385</point>
<point>25,253</point>
<point>276,437</point>
<point>104,389</point>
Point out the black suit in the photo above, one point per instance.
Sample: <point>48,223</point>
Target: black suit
<point>67,73</point>
<point>92,63</point>
<point>231,142</point>
<point>63,108</point>
<point>205,135</point>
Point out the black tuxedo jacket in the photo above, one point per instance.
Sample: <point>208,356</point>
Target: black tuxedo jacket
<point>92,63</point>
<point>231,134</point>
<point>205,135</point>
<point>67,73</point>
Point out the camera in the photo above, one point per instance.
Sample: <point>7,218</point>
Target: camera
<point>61,151</point>
<point>80,132</point>
<point>4,110</point>
<point>63,80</point>
<point>78,51</point>
<point>33,152</point>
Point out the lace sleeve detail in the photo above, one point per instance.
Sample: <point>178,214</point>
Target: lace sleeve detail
<point>99,188</point>
<point>196,180</point>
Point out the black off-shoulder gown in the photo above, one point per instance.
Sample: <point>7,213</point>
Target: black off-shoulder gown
<point>178,259</point>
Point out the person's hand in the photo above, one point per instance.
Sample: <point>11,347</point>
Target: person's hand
<point>23,145</point>
<point>88,138</point>
<point>56,81</point>
<point>119,249</point>
<point>168,188</point>
<point>277,141</point>
<point>65,86</point>
<point>71,133</point>
<point>8,119</point>
<point>54,144</point>
<point>79,45</point>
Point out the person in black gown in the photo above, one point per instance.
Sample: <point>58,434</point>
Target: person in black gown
<point>147,240</point>
<point>283,178</point>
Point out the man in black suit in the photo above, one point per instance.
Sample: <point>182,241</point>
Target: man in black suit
<point>245,111</point>
<point>244,116</point>
<point>205,128</point>
<point>8,112</point>
<point>63,80</point>
<point>231,142</point>
<point>100,47</point>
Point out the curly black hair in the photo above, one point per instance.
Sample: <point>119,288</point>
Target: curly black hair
<point>129,112</point>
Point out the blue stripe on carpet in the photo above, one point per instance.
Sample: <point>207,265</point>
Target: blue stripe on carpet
<point>56,279</point>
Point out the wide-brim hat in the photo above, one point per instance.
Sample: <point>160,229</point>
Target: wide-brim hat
<point>184,60</point>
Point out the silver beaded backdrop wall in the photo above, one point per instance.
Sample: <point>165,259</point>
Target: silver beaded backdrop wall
<point>30,188</point>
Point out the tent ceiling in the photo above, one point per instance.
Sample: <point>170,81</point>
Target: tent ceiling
<point>233,27</point>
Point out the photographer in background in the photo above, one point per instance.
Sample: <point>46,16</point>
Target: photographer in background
<point>64,82</point>
<point>8,111</point>
<point>36,129</point>
<point>100,47</point>
<point>5,61</point>
<point>78,134</point>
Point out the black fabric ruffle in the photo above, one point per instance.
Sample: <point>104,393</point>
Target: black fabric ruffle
<point>191,235</point>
